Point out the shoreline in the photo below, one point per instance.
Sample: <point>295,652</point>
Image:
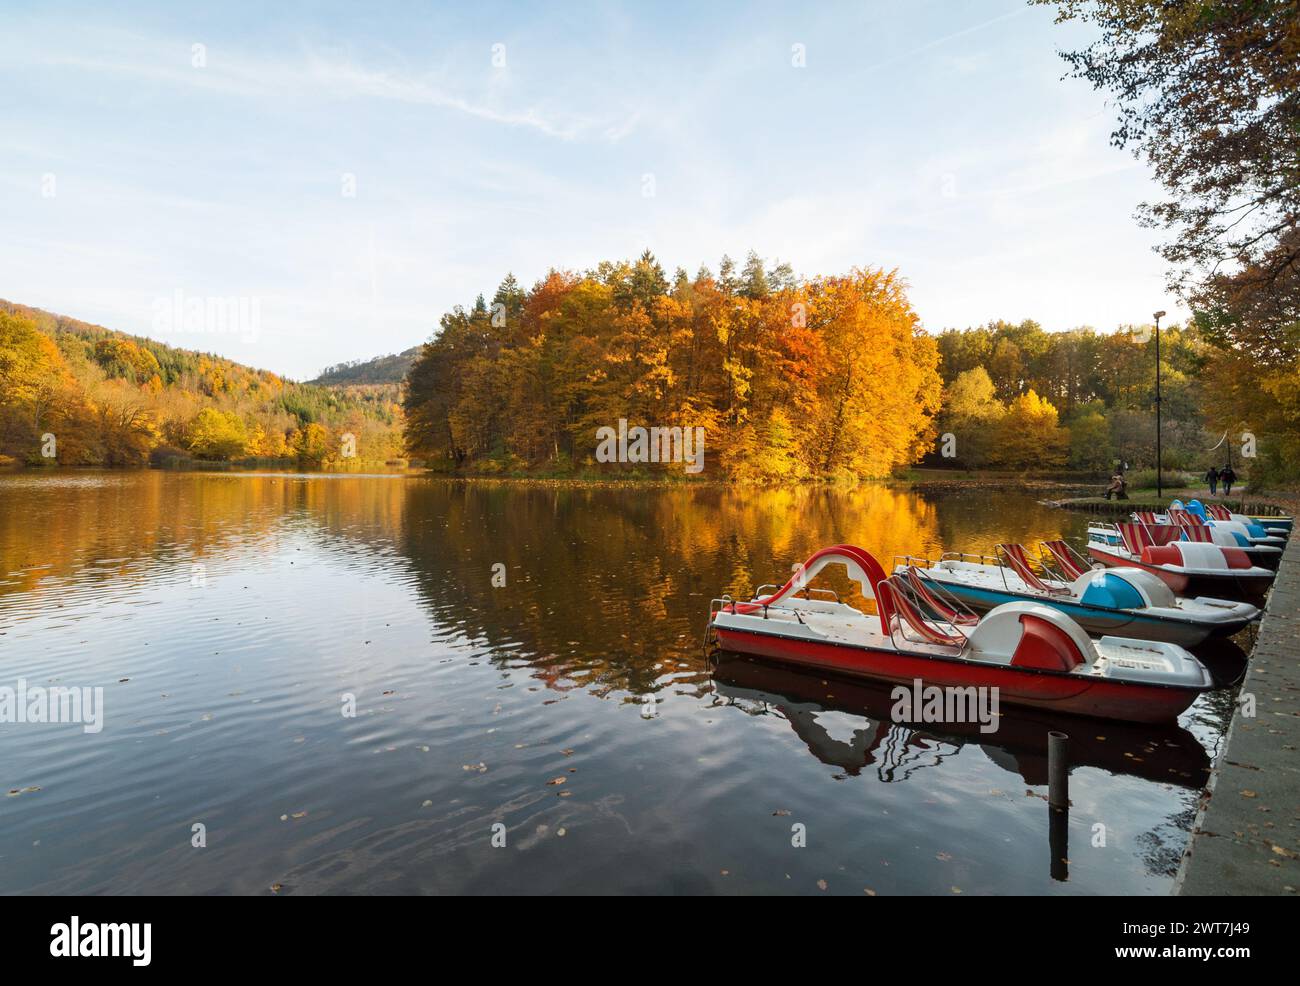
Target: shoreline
<point>1243,839</point>
<point>1284,501</point>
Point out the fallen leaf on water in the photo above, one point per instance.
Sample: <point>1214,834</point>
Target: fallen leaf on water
<point>1248,794</point>
<point>821,884</point>
<point>556,780</point>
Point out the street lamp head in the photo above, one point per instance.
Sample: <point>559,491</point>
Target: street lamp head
<point>1159,315</point>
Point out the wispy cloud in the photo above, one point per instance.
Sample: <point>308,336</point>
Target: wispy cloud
<point>313,73</point>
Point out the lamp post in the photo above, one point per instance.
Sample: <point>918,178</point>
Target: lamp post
<point>1159,477</point>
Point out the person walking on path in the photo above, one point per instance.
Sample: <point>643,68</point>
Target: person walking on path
<point>1227,477</point>
<point>1212,477</point>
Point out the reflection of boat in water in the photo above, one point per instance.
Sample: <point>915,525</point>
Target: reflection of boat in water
<point>816,707</point>
<point>1031,654</point>
<point>1225,659</point>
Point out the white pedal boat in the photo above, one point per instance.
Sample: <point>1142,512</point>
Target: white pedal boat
<point>1128,601</point>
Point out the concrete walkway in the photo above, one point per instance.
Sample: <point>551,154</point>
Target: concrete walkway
<point>1246,837</point>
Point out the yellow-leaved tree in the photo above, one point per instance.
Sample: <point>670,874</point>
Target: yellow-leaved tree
<point>1029,435</point>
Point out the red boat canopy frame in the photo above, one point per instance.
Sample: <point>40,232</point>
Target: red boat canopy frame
<point>849,556</point>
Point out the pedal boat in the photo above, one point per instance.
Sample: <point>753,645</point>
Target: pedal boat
<point>1034,655</point>
<point>1189,568</point>
<point>1262,547</point>
<point>1280,525</point>
<point>1127,601</point>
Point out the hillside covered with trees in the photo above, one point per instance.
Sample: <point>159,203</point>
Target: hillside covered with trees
<point>832,376</point>
<point>390,369</point>
<point>72,393</point>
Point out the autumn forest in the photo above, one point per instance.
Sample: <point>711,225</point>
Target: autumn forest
<point>829,377</point>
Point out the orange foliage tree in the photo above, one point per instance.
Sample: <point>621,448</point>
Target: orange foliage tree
<point>829,377</point>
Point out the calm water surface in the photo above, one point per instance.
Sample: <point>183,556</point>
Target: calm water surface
<point>226,616</point>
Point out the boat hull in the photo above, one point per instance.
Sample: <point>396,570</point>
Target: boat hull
<point>1073,694</point>
<point>1246,588</point>
<point>1282,525</point>
<point>1263,557</point>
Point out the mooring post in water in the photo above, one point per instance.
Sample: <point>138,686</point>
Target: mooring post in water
<point>1058,770</point>
<point>1058,804</point>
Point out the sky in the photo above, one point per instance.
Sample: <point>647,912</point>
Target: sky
<point>347,173</point>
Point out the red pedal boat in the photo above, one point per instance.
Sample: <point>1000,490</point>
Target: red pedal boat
<point>1032,654</point>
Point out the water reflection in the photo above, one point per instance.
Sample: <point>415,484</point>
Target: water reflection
<point>816,709</point>
<point>226,613</point>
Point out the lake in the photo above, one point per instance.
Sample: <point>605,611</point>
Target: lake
<point>315,678</point>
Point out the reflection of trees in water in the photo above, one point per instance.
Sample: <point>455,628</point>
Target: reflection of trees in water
<point>146,521</point>
<point>609,586</point>
<point>1161,849</point>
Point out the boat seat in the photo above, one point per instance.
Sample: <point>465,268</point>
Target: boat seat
<point>900,605</point>
<point>1018,559</point>
<point>918,583</point>
<point>1065,557</point>
<point>1135,536</point>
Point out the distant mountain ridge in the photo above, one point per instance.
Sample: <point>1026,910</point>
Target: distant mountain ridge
<point>377,370</point>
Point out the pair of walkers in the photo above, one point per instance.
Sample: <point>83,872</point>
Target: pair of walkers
<point>1225,476</point>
